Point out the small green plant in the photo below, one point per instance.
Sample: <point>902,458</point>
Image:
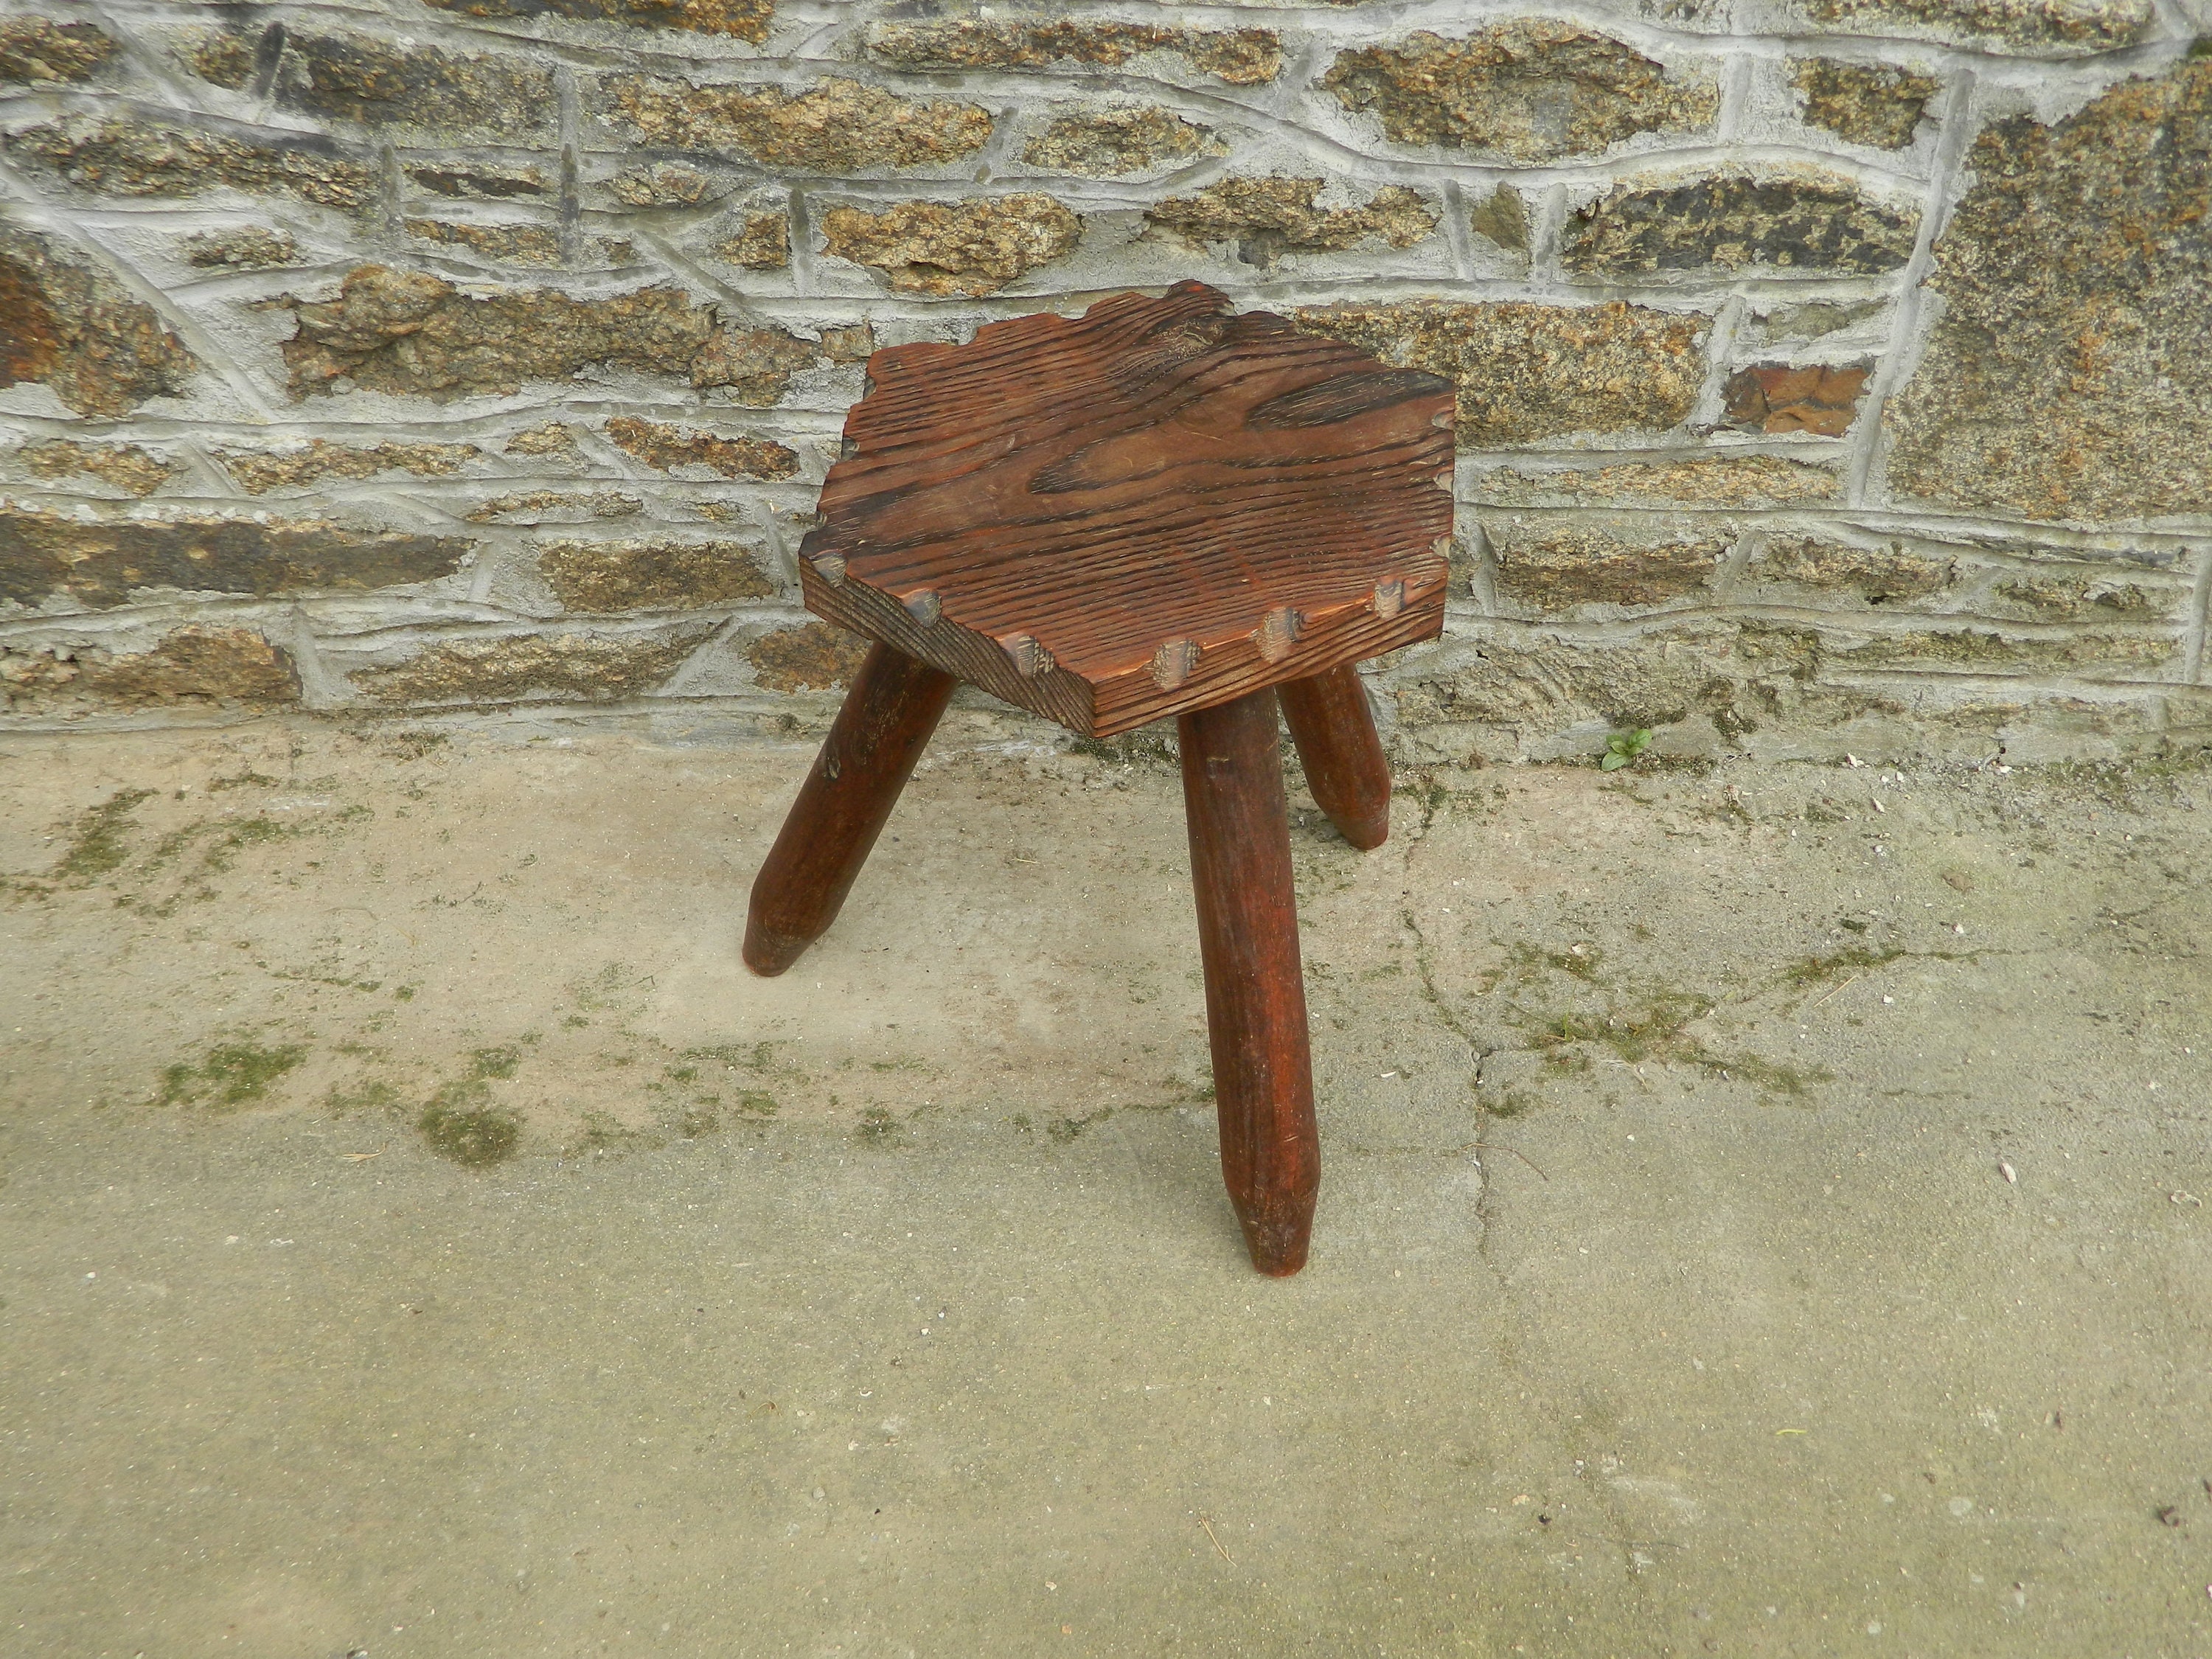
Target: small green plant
<point>1623,747</point>
<point>232,1074</point>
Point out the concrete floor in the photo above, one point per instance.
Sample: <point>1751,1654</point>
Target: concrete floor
<point>1754,1222</point>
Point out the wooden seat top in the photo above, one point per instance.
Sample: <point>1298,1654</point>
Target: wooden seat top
<point>1155,506</point>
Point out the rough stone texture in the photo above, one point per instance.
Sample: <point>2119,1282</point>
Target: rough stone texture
<point>815,658</point>
<point>1984,650</point>
<point>1109,143</point>
<point>1241,56</point>
<point>837,126</point>
<point>606,577</point>
<point>258,472</point>
<point>743,20</point>
<point>2066,378</point>
<point>73,327</point>
<point>1777,397</point>
<point>356,77</point>
<point>1871,104</point>
<point>554,438</point>
<point>536,506</point>
<point>484,184</point>
<point>1558,567</point>
<point>976,247</point>
<point>1501,218</point>
<point>1803,221</point>
<point>2087,599</point>
<point>763,243</point>
<point>102,564</point>
<point>2026,25</point>
<point>1528,89</point>
<point>250,249</point>
<point>133,158</point>
<point>1877,576</point>
<point>1266,218</point>
<point>124,465</point>
<point>222,57</point>
<point>34,50</point>
<point>220,666</point>
<point>1754,481</point>
<point>1526,373</point>
<point>665,448</point>
<point>523,244</point>
<point>756,364</point>
<point>508,669</point>
<point>404,332</point>
<point>663,184</point>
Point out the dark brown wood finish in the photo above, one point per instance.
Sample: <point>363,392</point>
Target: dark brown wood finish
<point>1346,767</point>
<point>1149,508</point>
<point>894,705</point>
<point>1255,997</point>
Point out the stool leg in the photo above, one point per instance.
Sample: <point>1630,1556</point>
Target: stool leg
<point>1255,994</point>
<point>888,713</point>
<point>1346,769</point>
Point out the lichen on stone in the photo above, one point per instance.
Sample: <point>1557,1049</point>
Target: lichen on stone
<point>1107,143</point>
<point>1501,218</point>
<point>380,83</point>
<point>250,248</point>
<point>258,472</point>
<point>2023,25</point>
<point>763,243</point>
<point>102,562</point>
<point>1878,575</point>
<point>1239,56</point>
<point>536,506</point>
<point>976,247</point>
<point>484,183</point>
<point>838,126</point>
<point>1872,104</point>
<point>1755,481</point>
<point>192,665</point>
<point>555,437</point>
<point>405,332</point>
<point>665,448</point>
<point>71,325</point>
<point>1529,373</point>
<point>148,158</point>
<point>1557,568</point>
<point>754,364</point>
<point>1529,90</point>
<point>526,245</point>
<point>221,58</point>
<point>126,466</point>
<point>2083,599</point>
<point>2066,377</point>
<point>817,657</point>
<point>662,184</point>
<point>607,577</point>
<point>742,20</point>
<point>1775,399</point>
<point>506,668</point>
<point>1804,221</point>
<point>1267,218</point>
<point>38,49</point>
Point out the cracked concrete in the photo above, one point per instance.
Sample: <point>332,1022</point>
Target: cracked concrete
<point>1754,1221</point>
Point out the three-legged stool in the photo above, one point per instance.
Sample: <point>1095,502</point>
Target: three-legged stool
<point>1155,508</point>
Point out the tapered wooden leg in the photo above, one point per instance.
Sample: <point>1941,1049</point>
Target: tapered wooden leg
<point>1346,767</point>
<point>1255,994</point>
<point>880,732</point>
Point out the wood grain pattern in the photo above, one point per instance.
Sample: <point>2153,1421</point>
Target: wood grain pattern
<point>1146,510</point>
<point>893,706</point>
<point>1255,994</point>
<point>1345,767</point>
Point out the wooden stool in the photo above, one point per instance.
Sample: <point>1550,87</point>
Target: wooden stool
<point>1155,508</point>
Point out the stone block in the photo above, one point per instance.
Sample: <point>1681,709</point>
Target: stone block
<point>1732,481</point>
<point>225,58</point>
<point>379,83</point>
<point>975,246</point>
<point>1266,218</point>
<point>2066,378</point>
<point>659,574</point>
<point>1501,218</point>
<point>1984,650</point>
<point>836,126</point>
<point>743,20</point>
<point>34,51</point>
<point>258,472</point>
<point>664,184</point>
<point>208,666</point>
<point>1530,89</point>
<point>509,668</point>
<point>251,248</point>
<point>754,364</point>
<point>66,323</point>
<point>505,244</point>
<point>542,506</point>
<point>1241,57</point>
<point>154,158</point>
<point>463,182</point>
<point>1556,568</point>
<point>1872,104</point>
<point>2032,27</point>
<point>665,448</point>
<point>2090,599</point>
<point>763,242</point>
<point>817,657</point>
<point>124,466</point>
<point>1777,398</point>
<point>1109,143</point>
<point>1526,373</point>
<point>101,564</point>
<point>1834,570</point>
<point>1800,221</point>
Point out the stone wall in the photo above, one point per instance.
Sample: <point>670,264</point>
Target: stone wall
<point>1832,373</point>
